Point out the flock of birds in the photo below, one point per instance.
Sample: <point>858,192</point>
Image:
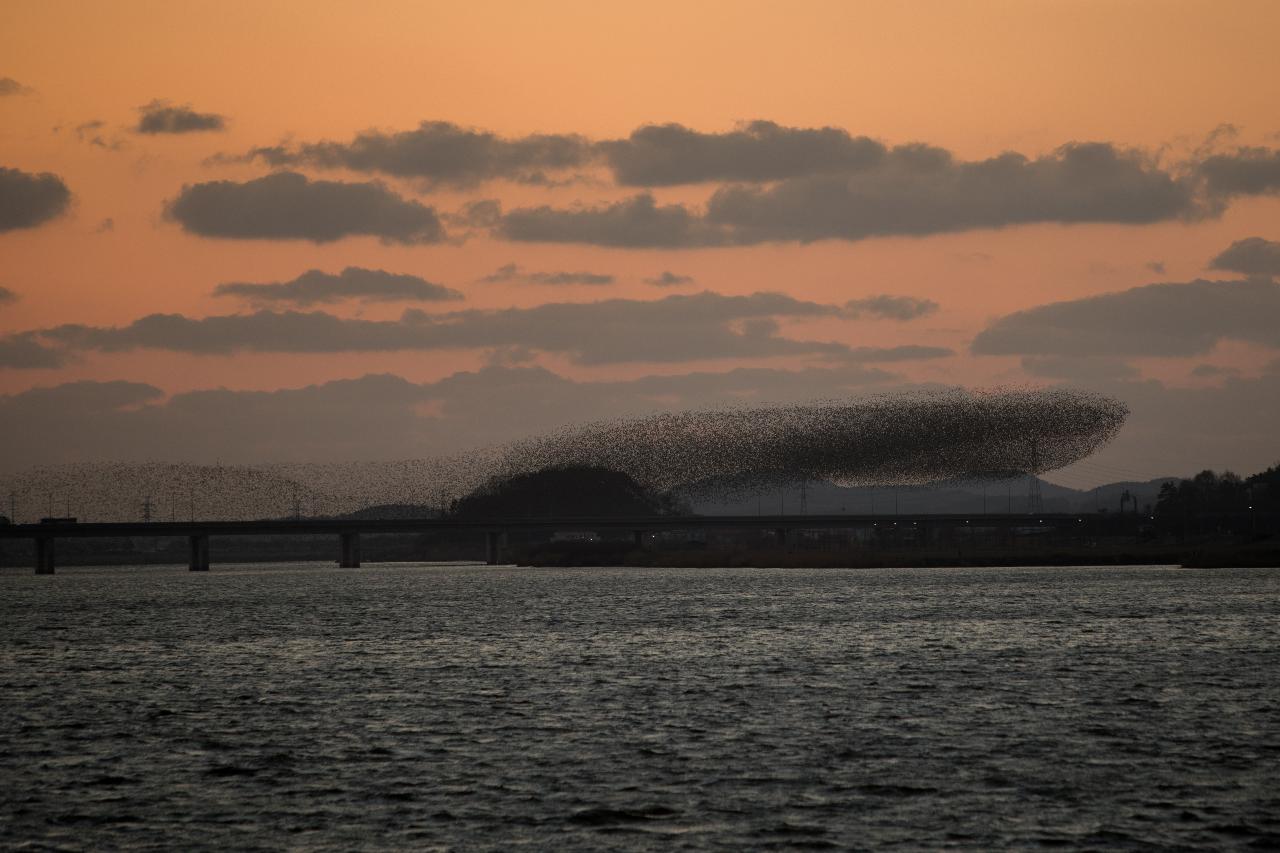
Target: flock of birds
<point>910,439</point>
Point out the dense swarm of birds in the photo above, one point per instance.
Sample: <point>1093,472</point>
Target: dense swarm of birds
<point>910,439</point>
<point>886,440</point>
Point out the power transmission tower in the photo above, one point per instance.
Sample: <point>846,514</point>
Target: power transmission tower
<point>1035,503</point>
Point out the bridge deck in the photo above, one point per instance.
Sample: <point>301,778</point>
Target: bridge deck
<point>276,527</point>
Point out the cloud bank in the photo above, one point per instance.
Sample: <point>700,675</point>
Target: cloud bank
<point>911,191</point>
<point>677,328</point>
<point>315,287</point>
<point>793,184</point>
<point>386,417</point>
<point>439,152</point>
<point>289,206</point>
<point>1171,320</point>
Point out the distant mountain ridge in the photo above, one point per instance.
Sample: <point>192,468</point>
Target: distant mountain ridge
<point>1010,496</point>
<point>829,499</point>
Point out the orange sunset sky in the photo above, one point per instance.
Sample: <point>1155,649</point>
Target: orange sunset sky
<point>971,194</point>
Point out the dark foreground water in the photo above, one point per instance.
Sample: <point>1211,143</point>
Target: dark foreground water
<point>450,708</point>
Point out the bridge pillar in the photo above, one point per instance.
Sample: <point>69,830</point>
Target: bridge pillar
<point>638,538</point>
<point>198,545</point>
<point>44,555</point>
<point>781,535</point>
<point>349,544</point>
<point>492,547</point>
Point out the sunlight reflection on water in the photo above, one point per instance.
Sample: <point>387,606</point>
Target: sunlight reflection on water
<point>488,708</point>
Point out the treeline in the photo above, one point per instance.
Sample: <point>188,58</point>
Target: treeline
<point>1223,501</point>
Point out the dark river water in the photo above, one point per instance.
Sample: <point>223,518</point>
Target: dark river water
<point>477,708</point>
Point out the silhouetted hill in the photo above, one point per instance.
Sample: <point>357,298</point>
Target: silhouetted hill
<point>563,492</point>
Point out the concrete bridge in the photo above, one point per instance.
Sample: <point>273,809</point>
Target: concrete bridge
<point>492,530</point>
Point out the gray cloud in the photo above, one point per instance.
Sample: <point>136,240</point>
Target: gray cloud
<point>163,117</point>
<point>132,421</point>
<point>1229,424</point>
<point>674,329</point>
<point>7,296</point>
<point>286,205</point>
<point>1082,369</point>
<point>1251,256</point>
<point>905,352</point>
<point>316,287</point>
<point>1092,182</point>
<point>913,190</point>
<point>376,416</point>
<point>27,200</point>
<point>890,307</point>
<point>667,154</point>
<point>669,279</point>
<point>440,152</point>
<point>637,222</point>
<point>795,184</point>
<point>94,133</point>
<point>1246,171</point>
<point>9,86</point>
<point>485,213</point>
<point>512,272</point>
<point>24,351</point>
<point>1155,320</point>
<point>1213,371</point>
<point>1156,267</point>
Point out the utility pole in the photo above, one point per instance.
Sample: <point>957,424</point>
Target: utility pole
<point>13,508</point>
<point>146,509</point>
<point>804,499</point>
<point>1035,504</point>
